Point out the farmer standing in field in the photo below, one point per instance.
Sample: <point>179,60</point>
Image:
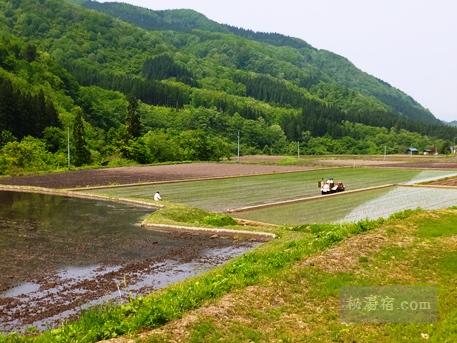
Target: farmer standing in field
<point>157,196</point>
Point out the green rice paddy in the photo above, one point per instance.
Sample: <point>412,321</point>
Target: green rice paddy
<point>323,210</point>
<point>224,194</point>
<point>354,207</point>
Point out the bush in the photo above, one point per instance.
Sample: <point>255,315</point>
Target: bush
<point>116,161</point>
<point>28,155</point>
<point>219,220</point>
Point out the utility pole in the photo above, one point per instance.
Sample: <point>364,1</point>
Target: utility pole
<point>238,146</point>
<point>385,152</point>
<point>298,150</point>
<point>68,147</point>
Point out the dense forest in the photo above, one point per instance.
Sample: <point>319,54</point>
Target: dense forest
<point>130,85</point>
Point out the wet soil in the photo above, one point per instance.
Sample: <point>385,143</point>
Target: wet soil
<point>56,295</point>
<point>452,182</point>
<point>59,256</point>
<point>128,175</point>
<point>432,165</point>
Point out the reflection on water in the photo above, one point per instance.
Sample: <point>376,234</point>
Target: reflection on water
<point>430,175</point>
<point>39,233</point>
<point>400,199</point>
<point>60,255</point>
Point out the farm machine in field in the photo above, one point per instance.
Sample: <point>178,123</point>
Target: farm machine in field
<point>330,186</point>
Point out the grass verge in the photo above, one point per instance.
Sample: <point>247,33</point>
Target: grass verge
<point>301,303</point>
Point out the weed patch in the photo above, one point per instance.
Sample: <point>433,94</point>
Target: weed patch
<point>219,220</point>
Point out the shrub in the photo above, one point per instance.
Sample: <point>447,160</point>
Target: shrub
<point>219,220</point>
<point>28,155</point>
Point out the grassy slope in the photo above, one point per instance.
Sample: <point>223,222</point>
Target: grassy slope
<point>219,195</point>
<point>301,303</point>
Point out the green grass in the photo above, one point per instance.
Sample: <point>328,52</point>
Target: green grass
<point>223,194</point>
<point>441,227</point>
<point>175,214</point>
<point>302,302</point>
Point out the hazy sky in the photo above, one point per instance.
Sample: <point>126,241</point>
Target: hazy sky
<point>412,44</point>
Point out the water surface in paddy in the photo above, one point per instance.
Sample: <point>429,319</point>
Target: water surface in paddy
<point>59,255</point>
<point>400,199</point>
<point>233,193</point>
<point>354,207</point>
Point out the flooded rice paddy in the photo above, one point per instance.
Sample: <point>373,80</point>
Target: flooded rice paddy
<point>224,194</point>
<point>61,255</point>
<point>354,207</point>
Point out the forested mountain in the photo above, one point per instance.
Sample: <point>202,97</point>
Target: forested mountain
<point>324,65</point>
<point>174,85</point>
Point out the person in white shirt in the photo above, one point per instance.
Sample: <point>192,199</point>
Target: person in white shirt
<point>157,196</point>
<point>325,188</point>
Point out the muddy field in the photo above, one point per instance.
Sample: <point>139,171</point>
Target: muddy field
<point>128,175</point>
<point>425,163</point>
<point>60,294</point>
<point>61,255</point>
<point>451,182</point>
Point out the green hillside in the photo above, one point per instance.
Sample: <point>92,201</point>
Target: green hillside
<point>325,65</point>
<point>173,85</point>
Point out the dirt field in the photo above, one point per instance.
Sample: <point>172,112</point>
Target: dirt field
<point>357,163</point>
<point>446,182</point>
<point>128,175</point>
<point>89,285</point>
<point>425,164</point>
<point>421,162</point>
<point>400,161</point>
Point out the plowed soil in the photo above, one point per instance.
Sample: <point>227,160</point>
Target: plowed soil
<point>405,163</point>
<point>433,165</point>
<point>447,182</point>
<point>129,175</point>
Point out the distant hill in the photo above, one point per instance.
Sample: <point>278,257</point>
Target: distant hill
<point>324,65</point>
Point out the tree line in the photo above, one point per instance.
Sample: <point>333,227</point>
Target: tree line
<point>23,113</point>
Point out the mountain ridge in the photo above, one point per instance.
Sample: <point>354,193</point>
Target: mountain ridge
<point>327,61</point>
